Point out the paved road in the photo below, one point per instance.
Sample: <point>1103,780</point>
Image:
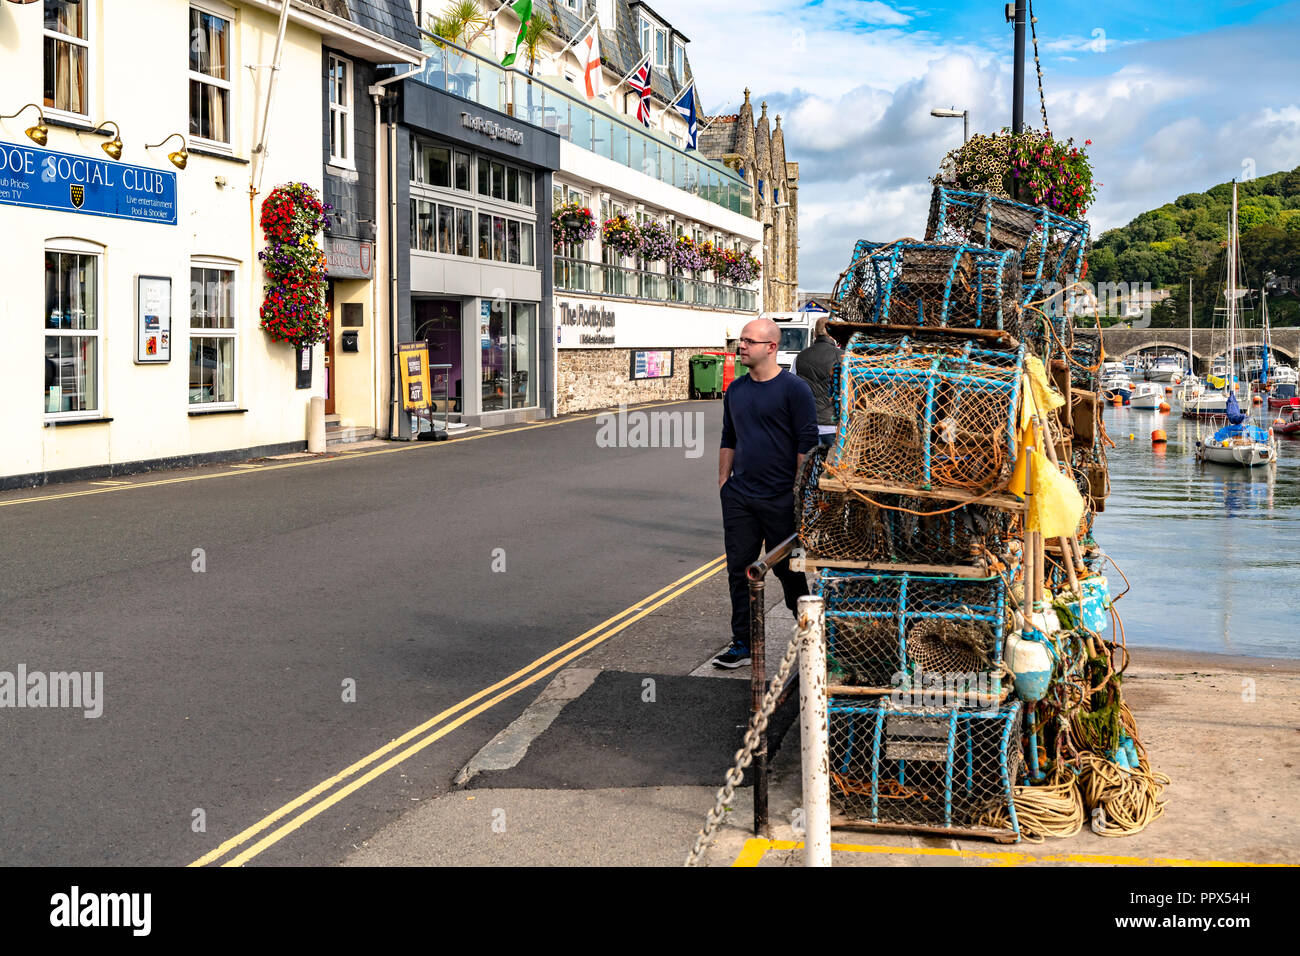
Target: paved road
<point>223,690</point>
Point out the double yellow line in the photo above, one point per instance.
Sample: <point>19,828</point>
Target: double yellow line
<point>330,792</point>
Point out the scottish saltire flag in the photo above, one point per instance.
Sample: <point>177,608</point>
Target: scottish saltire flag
<point>686,107</point>
<point>640,82</point>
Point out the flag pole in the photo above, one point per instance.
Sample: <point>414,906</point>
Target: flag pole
<point>554,58</point>
<point>684,91</point>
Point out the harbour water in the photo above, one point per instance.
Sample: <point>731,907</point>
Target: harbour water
<point>1212,552</point>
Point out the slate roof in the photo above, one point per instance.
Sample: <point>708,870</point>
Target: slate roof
<point>389,18</point>
<point>620,42</point>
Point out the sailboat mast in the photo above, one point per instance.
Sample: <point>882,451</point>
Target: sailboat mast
<point>1232,292</point>
<point>1191,370</point>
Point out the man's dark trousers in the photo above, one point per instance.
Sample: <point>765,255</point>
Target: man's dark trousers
<point>750,526</point>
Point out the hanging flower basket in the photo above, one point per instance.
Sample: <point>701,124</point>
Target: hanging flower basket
<point>571,222</point>
<point>738,268</point>
<point>687,255</point>
<point>293,301</point>
<point>621,234</point>
<point>1050,173</point>
<point>656,241</point>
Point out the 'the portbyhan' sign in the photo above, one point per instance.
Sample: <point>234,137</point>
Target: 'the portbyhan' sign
<point>45,179</point>
<point>348,258</point>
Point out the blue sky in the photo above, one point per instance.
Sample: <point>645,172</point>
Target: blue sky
<point>1174,97</point>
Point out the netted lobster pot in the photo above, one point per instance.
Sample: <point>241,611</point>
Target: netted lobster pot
<point>841,526</point>
<point>1085,357</point>
<point>921,416</point>
<point>855,291</point>
<point>1051,246</point>
<point>934,286</point>
<point>899,630</point>
<point>926,767</point>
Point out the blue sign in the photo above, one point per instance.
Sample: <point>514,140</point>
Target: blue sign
<point>45,179</point>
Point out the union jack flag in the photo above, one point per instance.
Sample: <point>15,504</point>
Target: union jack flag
<point>640,83</point>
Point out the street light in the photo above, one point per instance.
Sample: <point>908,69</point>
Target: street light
<point>953,114</point>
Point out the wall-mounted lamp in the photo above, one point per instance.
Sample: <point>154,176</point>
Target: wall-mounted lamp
<point>178,158</point>
<point>114,146</point>
<point>39,133</point>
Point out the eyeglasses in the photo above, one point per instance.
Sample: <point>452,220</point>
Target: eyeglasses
<point>753,342</point>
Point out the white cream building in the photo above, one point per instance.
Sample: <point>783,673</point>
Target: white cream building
<point>611,163</point>
<point>132,287</point>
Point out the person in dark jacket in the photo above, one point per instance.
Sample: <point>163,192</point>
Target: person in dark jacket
<point>815,365</point>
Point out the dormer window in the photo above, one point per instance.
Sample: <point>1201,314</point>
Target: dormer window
<point>679,62</point>
<point>654,40</point>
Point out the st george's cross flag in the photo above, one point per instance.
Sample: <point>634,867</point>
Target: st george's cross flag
<point>588,50</point>
<point>640,82</point>
<point>685,105</point>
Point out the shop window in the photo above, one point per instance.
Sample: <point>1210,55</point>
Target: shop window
<point>522,355</point>
<point>462,171</point>
<point>447,230</point>
<point>512,185</point>
<point>498,181</point>
<point>509,357</point>
<point>437,165</point>
<point>512,241</point>
<point>484,236</point>
<point>526,188</point>
<point>464,233</point>
<point>498,239</point>
<point>212,336</point>
<point>526,238</point>
<point>484,177</point>
<point>340,81</point>
<point>209,76</point>
<point>422,226</point>
<point>67,53</point>
<point>72,334</point>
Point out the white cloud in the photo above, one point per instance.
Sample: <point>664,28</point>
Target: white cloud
<point>1169,116</point>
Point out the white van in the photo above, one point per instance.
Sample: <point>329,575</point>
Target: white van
<point>796,334</point>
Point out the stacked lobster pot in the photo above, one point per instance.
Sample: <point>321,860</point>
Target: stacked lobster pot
<point>919,546</point>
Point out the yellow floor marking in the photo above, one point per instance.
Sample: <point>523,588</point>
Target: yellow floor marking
<point>756,848</point>
<point>694,577</point>
<point>106,482</point>
<point>249,469</point>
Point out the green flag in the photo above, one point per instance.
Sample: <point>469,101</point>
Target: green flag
<point>524,11</point>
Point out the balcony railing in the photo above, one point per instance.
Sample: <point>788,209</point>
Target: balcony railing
<point>530,100</point>
<point>599,278</point>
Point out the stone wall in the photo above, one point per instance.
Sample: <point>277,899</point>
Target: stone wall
<point>601,378</point>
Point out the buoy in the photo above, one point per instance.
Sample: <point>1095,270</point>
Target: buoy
<point>1117,400</point>
<point>1169,390</point>
<point>1159,437</point>
<point>1131,436</point>
<point>1164,406</point>
<point>1257,401</point>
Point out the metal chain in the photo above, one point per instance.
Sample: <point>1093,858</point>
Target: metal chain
<point>753,736</point>
<point>1042,100</point>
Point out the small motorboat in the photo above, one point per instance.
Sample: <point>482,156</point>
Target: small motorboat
<point>1148,395</point>
<point>1288,423</point>
<point>1115,380</point>
<point>1165,368</point>
<point>1281,396</point>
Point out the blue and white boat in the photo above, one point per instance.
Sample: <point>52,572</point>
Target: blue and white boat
<point>1115,380</point>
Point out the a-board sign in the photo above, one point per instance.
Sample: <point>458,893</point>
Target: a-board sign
<point>413,360</point>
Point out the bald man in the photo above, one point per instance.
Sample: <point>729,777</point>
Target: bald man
<point>769,423</point>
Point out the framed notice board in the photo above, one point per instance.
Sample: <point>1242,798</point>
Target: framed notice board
<point>652,363</point>
<point>153,320</point>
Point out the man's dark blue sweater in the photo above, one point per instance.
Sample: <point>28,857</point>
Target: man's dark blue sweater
<point>769,424</point>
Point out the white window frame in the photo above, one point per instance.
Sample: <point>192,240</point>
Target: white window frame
<point>341,113</point>
<point>232,333</point>
<point>79,247</point>
<point>679,61</point>
<point>84,116</point>
<point>662,66</point>
<point>221,11</point>
<point>646,35</point>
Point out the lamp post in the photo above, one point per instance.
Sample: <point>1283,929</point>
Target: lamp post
<point>953,114</point>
